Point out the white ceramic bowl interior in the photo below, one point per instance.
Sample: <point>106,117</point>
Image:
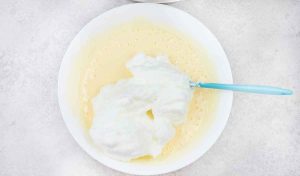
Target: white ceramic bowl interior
<point>171,17</point>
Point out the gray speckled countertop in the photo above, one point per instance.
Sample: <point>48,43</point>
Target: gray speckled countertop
<point>261,39</point>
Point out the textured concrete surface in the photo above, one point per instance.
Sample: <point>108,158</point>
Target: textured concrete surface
<point>261,38</point>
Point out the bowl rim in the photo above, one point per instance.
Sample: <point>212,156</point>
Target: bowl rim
<point>121,166</point>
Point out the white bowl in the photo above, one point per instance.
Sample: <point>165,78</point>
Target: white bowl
<point>171,17</point>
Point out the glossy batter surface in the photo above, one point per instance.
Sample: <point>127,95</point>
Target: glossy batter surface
<point>102,61</point>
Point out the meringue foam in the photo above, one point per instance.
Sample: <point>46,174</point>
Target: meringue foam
<point>137,117</point>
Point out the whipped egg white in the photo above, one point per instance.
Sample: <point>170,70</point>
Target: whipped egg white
<point>136,117</point>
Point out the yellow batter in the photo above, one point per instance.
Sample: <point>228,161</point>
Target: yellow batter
<point>102,61</point>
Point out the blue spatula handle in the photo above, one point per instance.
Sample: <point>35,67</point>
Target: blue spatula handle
<point>245,88</point>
